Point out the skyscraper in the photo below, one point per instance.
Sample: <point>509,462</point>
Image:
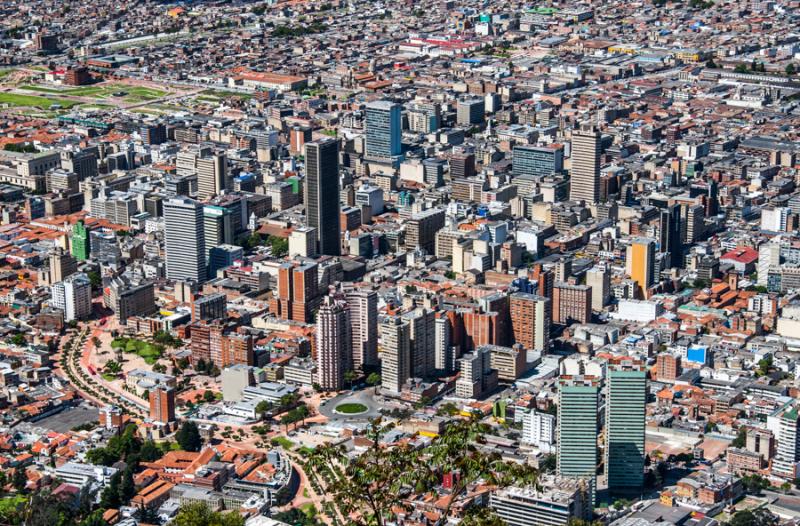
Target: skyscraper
<point>395,353</point>
<point>383,129</point>
<point>788,454</point>
<point>217,229</point>
<point>333,344</point>
<point>363,306</point>
<point>640,262</point>
<point>670,235</point>
<point>184,240</point>
<point>423,346</point>
<point>537,161</point>
<point>578,391</point>
<point>584,181</point>
<point>322,194</point>
<point>80,241</point>
<point>626,398</point>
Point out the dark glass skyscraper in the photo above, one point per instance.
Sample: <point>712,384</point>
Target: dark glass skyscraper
<point>322,194</point>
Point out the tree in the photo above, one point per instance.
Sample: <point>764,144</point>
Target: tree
<point>349,376</point>
<point>127,488</point>
<point>548,463</point>
<point>757,517</point>
<point>19,480</point>
<point>740,68</point>
<point>790,69</point>
<point>110,496</point>
<point>188,436</point>
<point>374,486</point>
<point>263,407</point>
<point>741,438</point>
<point>95,279</point>
<point>199,514</point>
<point>280,246</point>
<point>753,484</point>
<point>208,396</point>
<point>374,379</point>
<point>113,367</point>
<point>18,339</point>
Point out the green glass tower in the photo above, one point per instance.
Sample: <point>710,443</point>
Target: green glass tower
<point>80,241</point>
<point>579,393</point>
<point>626,397</point>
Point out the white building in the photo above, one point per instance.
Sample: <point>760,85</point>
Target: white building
<point>774,219</point>
<point>539,430</point>
<point>73,296</point>
<point>636,310</point>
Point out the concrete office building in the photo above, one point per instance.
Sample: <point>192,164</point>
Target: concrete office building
<point>626,398</point>
<point>212,175</point>
<point>557,501</point>
<point>537,161</point>
<point>572,303</point>
<point>223,256</point>
<point>383,129</point>
<point>303,242</point>
<point>162,404</point>
<point>470,111</point>
<point>585,166</point>
<point>322,194</point>
<point>539,430</point>
<point>184,239</point>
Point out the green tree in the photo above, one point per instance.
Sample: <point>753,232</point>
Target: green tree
<point>790,69</point>
<point>188,437</point>
<point>373,486</point>
<point>349,376</point>
<point>280,246</point>
<point>113,367</point>
<point>757,517</point>
<point>95,279</point>
<point>741,438</point>
<point>548,463</point>
<point>740,68</point>
<point>374,379</point>
<point>18,339</point>
<point>19,480</point>
<point>199,514</point>
<point>127,488</point>
<point>109,498</point>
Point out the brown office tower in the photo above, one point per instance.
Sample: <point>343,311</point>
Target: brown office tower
<point>572,303</point>
<point>545,279</point>
<point>237,349</point>
<point>162,404</point>
<point>298,294</point>
<point>530,320</point>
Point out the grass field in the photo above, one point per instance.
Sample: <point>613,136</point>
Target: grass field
<point>34,101</point>
<point>102,91</point>
<point>351,408</point>
<point>284,442</point>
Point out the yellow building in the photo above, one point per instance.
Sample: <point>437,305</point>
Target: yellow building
<point>640,262</point>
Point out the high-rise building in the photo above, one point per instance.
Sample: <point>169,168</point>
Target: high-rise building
<point>530,320</point>
<point>600,281</point>
<point>81,246</point>
<point>62,265</point>
<point>383,128</point>
<point>539,430</point>
<point>787,457</point>
<point>572,303</point>
<point>217,226</point>
<point>670,240</point>
<point>640,262</point>
<point>298,292</point>
<point>537,161</point>
<point>445,353</point>
<point>626,398</point>
<point>421,229</point>
<point>579,392</point>
<point>209,307</point>
<point>470,111</point>
<point>477,376</point>
<point>363,307</point>
<point>73,295</point>
<point>668,367</point>
<point>212,175</point>
<point>584,184</point>
<point>162,404</point>
<point>462,165</point>
<point>129,298</point>
<point>184,240</point>
<point>333,344</point>
<point>322,194</point>
<point>395,353</point>
<point>423,342</point>
<point>769,257</point>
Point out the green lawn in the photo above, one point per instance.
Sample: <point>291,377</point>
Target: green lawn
<point>284,442</point>
<point>351,408</point>
<point>33,101</point>
<point>139,93</point>
<point>221,94</point>
<point>6,72</point>
<point>151,352</point>
<point>103,91</point>
<point>108,377</point>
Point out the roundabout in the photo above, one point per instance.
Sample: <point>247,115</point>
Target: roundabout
<point>350,408</point>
